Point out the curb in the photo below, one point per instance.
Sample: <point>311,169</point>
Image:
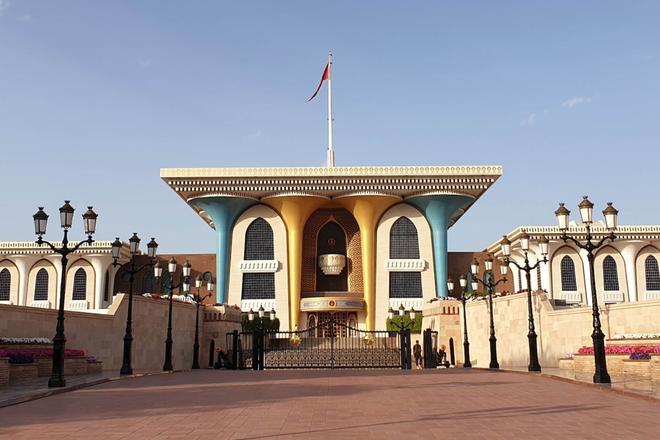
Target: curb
<point>55,391</point>
<point>596,386</point>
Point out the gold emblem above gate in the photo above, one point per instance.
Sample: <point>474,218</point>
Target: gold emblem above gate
<point>324,304</point>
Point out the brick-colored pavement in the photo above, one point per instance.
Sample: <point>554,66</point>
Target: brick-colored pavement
<point>439,404</point>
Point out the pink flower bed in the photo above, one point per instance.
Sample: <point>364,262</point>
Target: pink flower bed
<point>624,349</point>
<point>40,352</point>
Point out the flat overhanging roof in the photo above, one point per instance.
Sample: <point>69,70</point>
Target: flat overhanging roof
<point>331,182</point>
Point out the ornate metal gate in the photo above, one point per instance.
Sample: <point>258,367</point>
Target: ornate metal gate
<point>332,344</point>
<point>329,344</point>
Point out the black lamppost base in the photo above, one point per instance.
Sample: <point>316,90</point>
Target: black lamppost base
<point>600,360</point>
<point>493,354</point>
<point>534,365</point>
<point>126,371</point>
<point>466,351</point>
<point>602,378</point>
<point>56,382</point>
<point>167,366</point>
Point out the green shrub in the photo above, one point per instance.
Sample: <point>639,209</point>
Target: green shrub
<point>392,324</point>
<point>268,325</point>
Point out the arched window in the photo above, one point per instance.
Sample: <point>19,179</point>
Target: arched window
<point>259,241</point>
<point>469,278</point>
<point>259,246</point>
<point>651,273</point>
<point>568,280</point>
<point>610,276</point>
<point>41,285</point>
<point>148,281</point>
<point>404,244</point>
<point>5,284</point>
<point>403,239</point>
<point>79,285</point>
<point>165,282</point>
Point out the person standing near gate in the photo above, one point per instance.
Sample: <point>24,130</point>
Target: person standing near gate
<point>417,352</point>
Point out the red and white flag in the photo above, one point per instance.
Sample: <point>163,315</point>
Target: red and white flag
<point>324,77</point>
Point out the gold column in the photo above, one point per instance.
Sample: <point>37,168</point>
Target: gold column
<point>367,210</point>
<point>295,210</point>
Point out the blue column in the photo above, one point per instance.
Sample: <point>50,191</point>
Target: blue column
<point>223,211</point>
<point>438,209</point>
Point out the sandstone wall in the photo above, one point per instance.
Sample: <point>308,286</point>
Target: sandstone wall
<point>101,335</point>
<point>560,331</point>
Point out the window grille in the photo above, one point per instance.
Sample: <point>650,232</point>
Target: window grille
<point>488,278</point>
<point>258,286</point>
<point>539,285</point>
<point>79,285</point>
<point>403,239</point>
<point>5,284</point>
<point>469,279</point>
<point>165,282</point>
<point>259,241</point>
<point>405,285</point>
<point>610,276</point>
<point>41,285</point>
<point>520,286</point>
<point>568,281</point>
<point>148,281</point>
<point>651,272</point>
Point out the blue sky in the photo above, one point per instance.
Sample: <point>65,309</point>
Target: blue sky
<point>96,97</point>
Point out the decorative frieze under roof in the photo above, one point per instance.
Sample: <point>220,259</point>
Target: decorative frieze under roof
<point>579,231</point>
<point>32,248</point>
<point>330,182</point>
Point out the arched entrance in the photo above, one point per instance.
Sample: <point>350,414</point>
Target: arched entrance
<point>323,225</point>
<point>331,241</point>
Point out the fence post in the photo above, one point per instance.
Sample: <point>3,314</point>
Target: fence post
<point>404,336</point>
<point>262,350</point>
<point>402,347</point>
<point>452,354</point>
<point>234,349</point>
<point>428,349</point>
<point>408,350</point>
<point>255,349</point>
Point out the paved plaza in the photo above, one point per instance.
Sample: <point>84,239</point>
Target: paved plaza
<point>346,404</point>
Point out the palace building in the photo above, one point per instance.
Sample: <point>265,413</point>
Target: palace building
<point>352,241</point>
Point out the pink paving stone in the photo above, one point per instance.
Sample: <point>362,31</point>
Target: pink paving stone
<point>365,404</point>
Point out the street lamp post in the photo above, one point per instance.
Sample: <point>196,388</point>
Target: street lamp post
<point>198,300</point>
<point>586,212</point>
<point>490,285</point>
<point>404,333</point>
<point>258,337</point>
<point>466,343</point>
<point>66,219</point>
<point>129,267</point>
<point>505,245</point>
<point>185,283</point>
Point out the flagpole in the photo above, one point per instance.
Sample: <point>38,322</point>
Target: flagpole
<point>331,151</point>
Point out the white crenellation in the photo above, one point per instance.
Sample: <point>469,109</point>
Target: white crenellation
<point>258,266</point>
<point>405,265</point>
